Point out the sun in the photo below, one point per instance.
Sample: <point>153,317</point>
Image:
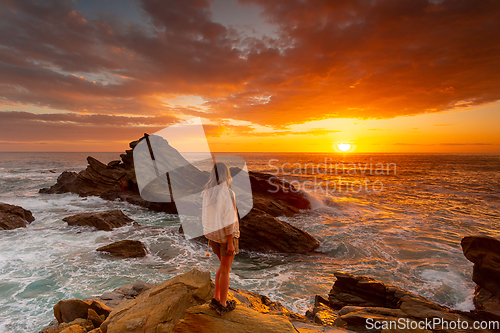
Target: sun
<point>344,146</point>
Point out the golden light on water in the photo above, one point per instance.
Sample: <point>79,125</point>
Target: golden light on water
<point>344,147</point>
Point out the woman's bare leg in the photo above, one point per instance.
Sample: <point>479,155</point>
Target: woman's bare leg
<point>225,267</point>
<point>217,288</point>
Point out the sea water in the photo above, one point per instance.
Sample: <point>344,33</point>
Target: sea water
<point>402,226</point>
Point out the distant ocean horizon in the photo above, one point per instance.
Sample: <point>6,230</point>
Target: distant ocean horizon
<point>401,225</point>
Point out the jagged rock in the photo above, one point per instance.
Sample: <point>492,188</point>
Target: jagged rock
<point>270,195</point>
<point>487,302</point>
<point>273,235</point>
<point>128,291</point>
<point>95,318</point>
<point>359,298</point>
<point>484,252</point>
<point>107,220</point>
<point>12,217</point>
<point>66,311</point>
<point>125,249</point>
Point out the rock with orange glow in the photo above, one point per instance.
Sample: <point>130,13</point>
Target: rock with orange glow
<point>355,299</point>
<point>484,252</point>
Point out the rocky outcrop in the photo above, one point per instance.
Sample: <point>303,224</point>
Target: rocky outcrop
<point>107,220</point>
<point>12,217</point>
<point>273,235</point>
<point>484,252</point>
<point>181,305</point>
<point>271,198</point>
<point>125,249</point>
<point>353,301</point>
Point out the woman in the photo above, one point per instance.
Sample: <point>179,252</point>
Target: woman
<point>221,228</point>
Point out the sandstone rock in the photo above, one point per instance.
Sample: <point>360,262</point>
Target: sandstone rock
<point>261,303</point>
<point>69,310</point>
<point>125,249</point>
<point>486,301</point>
<point>74,329</point>
<point>322,314</point>
<point>95,318</point>
<point>107,220</point>
<point>73,326</point>
<point>243,320</point>
<point>271,198</point>
<point>12,217</point>
<point>360,298</point>
<point>159,308</point>
<point>484,252</point>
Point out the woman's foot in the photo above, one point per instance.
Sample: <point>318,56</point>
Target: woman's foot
<point>230,305</point>
<point>214,304</point>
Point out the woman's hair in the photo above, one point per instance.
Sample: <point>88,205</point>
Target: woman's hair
<point>210,186</point>
<point>223,173</point>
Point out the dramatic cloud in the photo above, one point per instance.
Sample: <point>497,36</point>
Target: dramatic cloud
<point>366,59</point>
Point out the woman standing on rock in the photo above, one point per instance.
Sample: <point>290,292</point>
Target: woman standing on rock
<point>221,228</point>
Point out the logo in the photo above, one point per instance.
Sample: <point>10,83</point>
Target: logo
<point>174,164</point>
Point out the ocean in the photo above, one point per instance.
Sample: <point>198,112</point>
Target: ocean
<point>398,218</point>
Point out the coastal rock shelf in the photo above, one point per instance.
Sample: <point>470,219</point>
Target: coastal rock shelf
<point>258,229</point>
<point>179,304</point>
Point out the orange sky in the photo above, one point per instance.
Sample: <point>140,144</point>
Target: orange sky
<point>385,76</point>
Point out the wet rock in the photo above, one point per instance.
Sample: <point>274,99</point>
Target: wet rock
<point>259,231</point>
<point>107,220</point>
<point>12,217</point>
<point>358,299</point>
<point>484,252</point>
<point>487,302</point>
<point>322,314</point>
<point>125,249</point>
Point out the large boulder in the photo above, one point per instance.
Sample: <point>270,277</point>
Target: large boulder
<point>484,252</point>
<point>125,249</point>
<point>107,220</point>
<point>271,196</point>
<point>12,217</point>
<point>159,308</point>
<point>259,231</point>
<point>69,310</point>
